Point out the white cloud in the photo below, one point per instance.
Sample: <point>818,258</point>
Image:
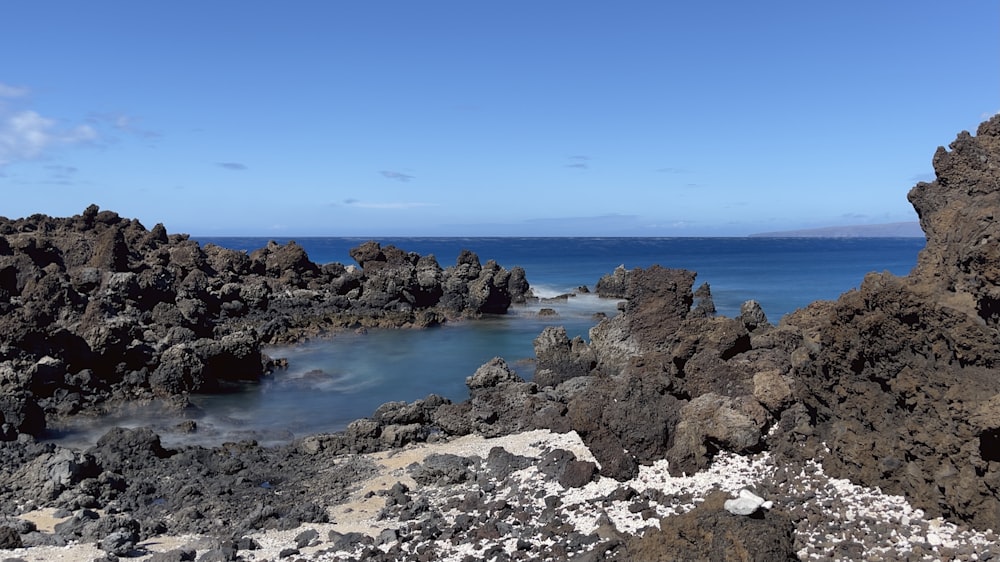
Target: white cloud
<point>26,134</point>
<point>8,91</point>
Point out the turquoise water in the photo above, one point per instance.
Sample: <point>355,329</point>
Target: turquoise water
<point>332,382</point>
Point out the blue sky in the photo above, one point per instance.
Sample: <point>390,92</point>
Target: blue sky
<point>471,118</point>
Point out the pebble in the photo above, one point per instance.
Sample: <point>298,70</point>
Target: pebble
<point>530,516</point>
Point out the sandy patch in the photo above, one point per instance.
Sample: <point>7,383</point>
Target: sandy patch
<point>359,513</point>
<point>356,515</point>
<point>44,519</point>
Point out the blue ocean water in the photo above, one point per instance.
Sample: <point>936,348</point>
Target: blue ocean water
<point>781,273</point>
<point>333,381</point>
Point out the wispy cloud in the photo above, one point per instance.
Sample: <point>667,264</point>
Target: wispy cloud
<point>581,162</point>
<point>854,216</point>
<point>612,218</point>
<point>61,175</point>
<point>398,176</point>
<point>8,91</point>
<point>386,205</point>
<point>26,135</point>
<point>672,170</point>
<point>124,123</point>
<point>61,171</point>
<point>235,166</point>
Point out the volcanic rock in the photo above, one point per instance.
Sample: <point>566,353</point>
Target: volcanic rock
<point>709,532</point>
<point>95,309</point>
<point>901,378</point>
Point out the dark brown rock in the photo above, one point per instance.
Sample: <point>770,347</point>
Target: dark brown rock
<point>709,532</point>
<point>10,538</point>
<point>899,374</point>
<point>559,359</point>
<point>613,285</point>
<point>144,313</point>
<point>659,300</point>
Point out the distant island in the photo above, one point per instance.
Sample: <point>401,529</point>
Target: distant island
<point>888,230</point>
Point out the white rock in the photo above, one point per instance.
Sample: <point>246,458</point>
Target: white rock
<point>746,504</point>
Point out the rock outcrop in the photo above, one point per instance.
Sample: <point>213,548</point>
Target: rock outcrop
<point>708,532</point>
<point>96,308</point>
<point>893,385</point>
<point>899,378</point>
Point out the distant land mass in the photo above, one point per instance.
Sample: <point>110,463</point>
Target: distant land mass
<point>887,230</point>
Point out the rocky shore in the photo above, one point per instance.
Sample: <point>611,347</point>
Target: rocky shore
<point>871,422</point>
<point>97,310</point>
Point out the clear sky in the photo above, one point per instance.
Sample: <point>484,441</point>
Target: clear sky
<point>475,117</point>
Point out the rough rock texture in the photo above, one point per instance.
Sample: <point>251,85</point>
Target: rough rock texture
<point>709,532</point>
<point>665,378</point>
<point>95,307</point>
<point>898,378</point>
<point>232,488</point>
<point>892,385</point>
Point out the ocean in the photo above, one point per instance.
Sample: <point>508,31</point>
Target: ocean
<point>333,381</point>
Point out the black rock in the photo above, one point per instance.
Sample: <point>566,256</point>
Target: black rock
<point>305,537</point>
<point>10,538</point>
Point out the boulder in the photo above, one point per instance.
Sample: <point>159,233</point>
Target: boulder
<point>709,532</point>
<point>559,359</point>
<point>144,313</point>
<point>752,316</point>
<point>710,423</point>
<point>10,538</point>
<point>491,374</point>
<point>747,503</point>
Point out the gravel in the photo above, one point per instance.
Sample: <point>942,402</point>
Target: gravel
<point>525,513</point>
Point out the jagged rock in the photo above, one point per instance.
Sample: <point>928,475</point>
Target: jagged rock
<point>559,358</point>
<point>708,532</point>
<point>444,470</point>
<point>493,373</point>
<point>772,390</point>
<point>704,304</point>
<point>138,313</point>
<point>613,285</point>
<point>659,300</point>
<point>10,538</point>
<point>501,463</point>
<point>121,449</point>
<point>20,413</point>
<point>752,315</point>
<point>710,423</point>
<point>901,374</point>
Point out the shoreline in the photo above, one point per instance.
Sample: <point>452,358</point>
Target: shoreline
<point>838,516</point>
<point>891,385</point>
